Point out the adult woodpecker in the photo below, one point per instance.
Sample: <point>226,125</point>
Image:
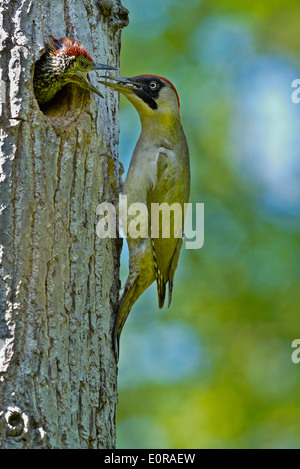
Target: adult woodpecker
<point>159,172</point>
<point>65,61</point>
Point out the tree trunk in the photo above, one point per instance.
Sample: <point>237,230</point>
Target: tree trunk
<point>58,281</point>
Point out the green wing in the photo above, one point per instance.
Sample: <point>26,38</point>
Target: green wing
<point>172,187</point>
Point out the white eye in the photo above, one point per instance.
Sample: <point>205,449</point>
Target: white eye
<point>153,85</point>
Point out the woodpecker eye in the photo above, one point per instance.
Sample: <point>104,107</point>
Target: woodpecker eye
<point>82,62</point>
<point>153,85</point>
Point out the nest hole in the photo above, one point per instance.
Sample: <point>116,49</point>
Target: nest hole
<point>67,103</point>
<point>15,419</point>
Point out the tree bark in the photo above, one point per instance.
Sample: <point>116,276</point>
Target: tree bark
<point>58,281</point>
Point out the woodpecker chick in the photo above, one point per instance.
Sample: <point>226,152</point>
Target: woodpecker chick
<point>159,172</point>
<point>65,61</point>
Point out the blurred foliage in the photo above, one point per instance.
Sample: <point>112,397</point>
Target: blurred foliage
<point>215,370</point>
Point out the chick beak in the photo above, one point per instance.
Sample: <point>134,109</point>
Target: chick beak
<point>83,82</point>
<point>87,85</point>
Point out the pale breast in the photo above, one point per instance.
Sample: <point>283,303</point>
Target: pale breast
<point>142,173</point>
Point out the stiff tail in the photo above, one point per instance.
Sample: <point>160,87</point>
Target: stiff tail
<point>170,292</point>
<point>127,301</point>
<point>161,290</point>
<point>134,287</point>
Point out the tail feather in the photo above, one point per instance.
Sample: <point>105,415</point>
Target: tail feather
<point>170,292</point>
<point>161,290</point>
<point>127,301</point>
<point>134,287</point>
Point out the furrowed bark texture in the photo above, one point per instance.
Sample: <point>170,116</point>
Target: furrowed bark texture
<point>58,281</point>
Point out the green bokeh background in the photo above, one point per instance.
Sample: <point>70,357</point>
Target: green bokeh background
<point>215,370</point>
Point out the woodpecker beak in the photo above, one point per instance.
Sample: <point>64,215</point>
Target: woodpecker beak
<point>97,66</point>
<point>85,84</point>
<point>122,84</point>
<point>82,80</point>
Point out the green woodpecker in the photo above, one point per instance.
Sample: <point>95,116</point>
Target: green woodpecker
<point>159,172</point>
